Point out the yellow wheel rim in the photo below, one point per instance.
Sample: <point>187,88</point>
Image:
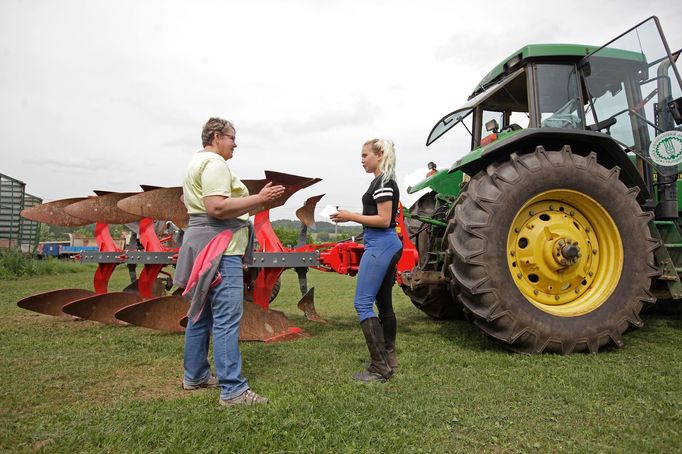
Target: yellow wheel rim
<point>564,253</point>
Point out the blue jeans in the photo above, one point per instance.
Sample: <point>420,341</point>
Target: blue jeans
<point>222,314</point>
<point>377,272</point>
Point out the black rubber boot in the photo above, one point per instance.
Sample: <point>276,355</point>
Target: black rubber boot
<point>389,326</point>
<point>378,370</point>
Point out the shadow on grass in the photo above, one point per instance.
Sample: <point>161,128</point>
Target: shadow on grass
<point>669,309</point>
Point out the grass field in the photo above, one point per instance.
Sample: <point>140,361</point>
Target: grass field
<point>81,386</point>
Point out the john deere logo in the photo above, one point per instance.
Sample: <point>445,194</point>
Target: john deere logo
<point>666,149</point>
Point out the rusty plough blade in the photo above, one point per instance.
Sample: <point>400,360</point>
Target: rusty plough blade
<point>102,308</point>
<point>306,214</point>
<point>53,213</point>
<point>291,183</point>
<point>168,313</point>
<point>51,303</point>
<point>102,208</point>
<point>163,313</point>
<point>158,288</point>
<point>266,325</point>
<point>307,305</point>
<point>162,203</point>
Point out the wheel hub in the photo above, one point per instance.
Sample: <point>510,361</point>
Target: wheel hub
<point>564,252</point>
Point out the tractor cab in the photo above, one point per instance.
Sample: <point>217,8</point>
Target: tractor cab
<point>538,86</point>
<point>628,89</point>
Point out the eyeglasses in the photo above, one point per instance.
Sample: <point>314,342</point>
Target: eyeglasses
<point>231,136</point>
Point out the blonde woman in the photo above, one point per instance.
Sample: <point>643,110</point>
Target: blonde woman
<point>377,266</point>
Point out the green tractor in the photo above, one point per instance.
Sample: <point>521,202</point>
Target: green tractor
<point>562,223</point>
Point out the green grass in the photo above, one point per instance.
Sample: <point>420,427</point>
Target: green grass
<point>14,265</point>
<point>82,386</point>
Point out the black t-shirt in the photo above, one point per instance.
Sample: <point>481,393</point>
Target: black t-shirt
<point>377,193</point>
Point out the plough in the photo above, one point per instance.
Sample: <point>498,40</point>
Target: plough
<point>146,301</point>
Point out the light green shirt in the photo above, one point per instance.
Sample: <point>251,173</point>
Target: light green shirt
<point>208,174</point>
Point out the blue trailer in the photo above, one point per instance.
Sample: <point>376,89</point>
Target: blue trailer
<point>61,249</point>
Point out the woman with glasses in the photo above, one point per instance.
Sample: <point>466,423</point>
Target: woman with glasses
<point>210,264</point>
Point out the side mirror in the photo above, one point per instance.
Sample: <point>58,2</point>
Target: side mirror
<point>492,126</point>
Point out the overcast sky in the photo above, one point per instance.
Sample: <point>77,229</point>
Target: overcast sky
<point>112,94</point>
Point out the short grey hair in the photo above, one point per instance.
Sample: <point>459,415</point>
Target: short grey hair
<point>215,125</point>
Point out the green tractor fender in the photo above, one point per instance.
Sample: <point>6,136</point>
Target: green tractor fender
<point>609,152</point>
<point>446,182</point>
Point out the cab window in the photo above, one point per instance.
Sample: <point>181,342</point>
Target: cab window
<point>558,96</point>
<point>508,107</point>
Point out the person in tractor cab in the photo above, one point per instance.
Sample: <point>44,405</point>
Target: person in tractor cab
<point>377,265</point>
<point>209,265</point>
<point>432,169</point>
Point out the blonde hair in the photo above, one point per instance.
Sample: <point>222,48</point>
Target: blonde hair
<point>387,164</point>
<point>215,125</point>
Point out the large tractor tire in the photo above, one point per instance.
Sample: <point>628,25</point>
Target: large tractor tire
<point>435,301</point>
<point>552,253</point>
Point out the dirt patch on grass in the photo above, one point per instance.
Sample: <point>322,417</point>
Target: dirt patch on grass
<point>41,444</point>
<point>36,320</point>
<point>143,382</point>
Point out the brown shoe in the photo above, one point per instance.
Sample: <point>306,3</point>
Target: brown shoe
<point>211,382</point>
<point>248,397</point>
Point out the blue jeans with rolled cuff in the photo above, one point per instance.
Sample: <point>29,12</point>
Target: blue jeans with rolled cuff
<point>377,272</point>
<point>222,314</point>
